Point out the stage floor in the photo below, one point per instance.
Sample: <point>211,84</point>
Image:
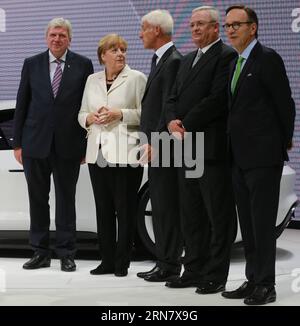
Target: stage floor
<point>52,287</point>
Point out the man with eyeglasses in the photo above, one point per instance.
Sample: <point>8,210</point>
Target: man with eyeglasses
<point>199,104</point>
<point>260,127</point>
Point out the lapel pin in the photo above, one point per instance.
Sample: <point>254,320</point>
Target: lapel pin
<point>249,75</point>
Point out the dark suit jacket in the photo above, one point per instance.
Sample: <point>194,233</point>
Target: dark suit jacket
<point>158,88</point>
<point>262,111</point>
<point>40,118</point>
<point>199,97</point>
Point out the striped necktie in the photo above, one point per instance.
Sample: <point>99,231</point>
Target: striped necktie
<point>57,77</point>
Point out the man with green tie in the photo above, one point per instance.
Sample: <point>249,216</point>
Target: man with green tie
<point>260,127</point>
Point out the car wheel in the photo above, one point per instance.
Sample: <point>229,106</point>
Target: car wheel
<point>290,214</point>
<point>145,228</point>
<point>144,219</point>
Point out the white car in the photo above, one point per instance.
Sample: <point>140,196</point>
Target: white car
<point>14,207</point>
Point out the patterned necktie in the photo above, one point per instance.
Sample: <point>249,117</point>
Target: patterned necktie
<point>57,77</point>
<point>238,69</point>
<point>197,57</point>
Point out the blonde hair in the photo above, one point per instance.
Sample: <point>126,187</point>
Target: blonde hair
<point>109,41</point>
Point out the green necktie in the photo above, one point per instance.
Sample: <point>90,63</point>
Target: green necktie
<point>237,73</point>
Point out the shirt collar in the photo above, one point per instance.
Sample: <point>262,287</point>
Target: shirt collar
<point>207,47</point>
<point>52,58</point>
<point>161,51</point>
<point>245,54</point>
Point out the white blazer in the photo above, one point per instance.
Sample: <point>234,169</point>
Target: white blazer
<point>119,140</point>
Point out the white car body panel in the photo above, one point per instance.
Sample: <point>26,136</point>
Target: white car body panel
<point>14,206</point>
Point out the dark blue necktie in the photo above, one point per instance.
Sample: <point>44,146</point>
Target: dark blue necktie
<point>153,63</point>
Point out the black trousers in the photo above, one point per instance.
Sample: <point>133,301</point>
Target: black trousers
<point>163,183</point>
<point>257,197</point>
<point>208,222</point>
<point>38,176</point>
<point>115,191</point>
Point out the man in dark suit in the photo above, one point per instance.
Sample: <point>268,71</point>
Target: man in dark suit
<point>48,140</point>
<point>260,127</point>
<point>199,104</point>
<point>156,34</point>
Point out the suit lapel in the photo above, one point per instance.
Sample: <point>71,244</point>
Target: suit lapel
<point>231,72</point>
<point>245,71</point>
<point>67,73</point>
<point>45,71</point>
<point>190,73</point>
<point>159,66</point>
<point>187,69</point>
<point>120,79</point>
<point>102,81</point>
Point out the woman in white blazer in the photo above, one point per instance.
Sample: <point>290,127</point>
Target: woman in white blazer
<point>110,112</point>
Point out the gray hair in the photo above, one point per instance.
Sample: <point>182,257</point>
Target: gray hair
<point>60,22</point>
<point>214,13</point>
<point>161,18</point>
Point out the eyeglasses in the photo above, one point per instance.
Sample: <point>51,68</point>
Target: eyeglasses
<point>235,26</point>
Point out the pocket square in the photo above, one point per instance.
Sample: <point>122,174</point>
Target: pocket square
<point>249,75</point>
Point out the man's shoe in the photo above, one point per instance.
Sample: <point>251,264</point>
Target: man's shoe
<point>211,287</point>
<point>240,293</point>
<point>121,272</point>
<point>100,270</point>
<point>144,274</point>
<point>38,261</point>
<point>67,264</point>
<point>181,282</point>
<point>161,276</point>
<point>261,295</point>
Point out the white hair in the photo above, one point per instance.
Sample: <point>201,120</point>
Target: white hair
<point>214,13</point>
<point>161,18</point>
<point>60,22</point>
